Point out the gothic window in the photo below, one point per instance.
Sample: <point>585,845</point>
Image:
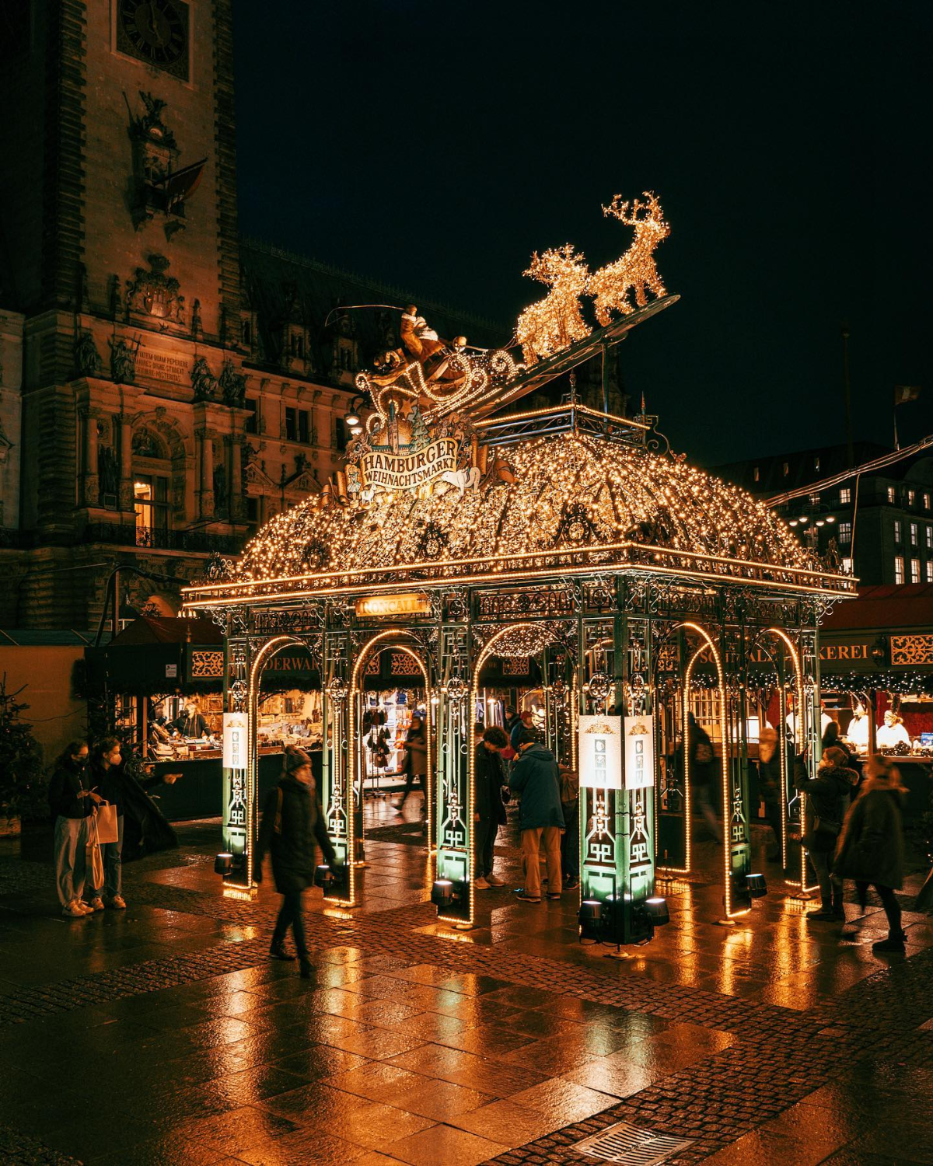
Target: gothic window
<point>298,346</point>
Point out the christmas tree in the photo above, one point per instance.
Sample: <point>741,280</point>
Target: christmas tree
<point>22,790</point>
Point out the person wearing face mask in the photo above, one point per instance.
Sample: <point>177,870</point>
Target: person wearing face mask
<point>107,779</point>
<point>72,804</point>
<point>292,821</point>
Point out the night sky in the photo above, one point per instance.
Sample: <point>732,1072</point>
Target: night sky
<point>434,146</point>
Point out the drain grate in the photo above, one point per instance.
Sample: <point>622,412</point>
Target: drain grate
<point>628,1145</point>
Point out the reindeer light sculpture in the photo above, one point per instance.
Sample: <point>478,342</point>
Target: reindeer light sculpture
<point>556,321</point>
<point>636,270</point>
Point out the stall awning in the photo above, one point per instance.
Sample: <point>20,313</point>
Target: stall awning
<point>159,654</point>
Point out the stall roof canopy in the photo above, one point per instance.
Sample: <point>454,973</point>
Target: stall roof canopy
<point>168,630</point>
<point>570,501</point>
<point>885,606</point>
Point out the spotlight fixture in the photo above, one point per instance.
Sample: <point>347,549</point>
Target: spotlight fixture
<point>657,912</point>
<point>442,893</point>
<point>755,885</point>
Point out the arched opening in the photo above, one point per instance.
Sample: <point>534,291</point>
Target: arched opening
<point>350,765</point>
<point>284,706</point>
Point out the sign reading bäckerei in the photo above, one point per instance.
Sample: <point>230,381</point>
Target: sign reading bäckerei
<point>407,471</point>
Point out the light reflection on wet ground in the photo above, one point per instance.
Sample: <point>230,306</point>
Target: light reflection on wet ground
<point>774,1041</point>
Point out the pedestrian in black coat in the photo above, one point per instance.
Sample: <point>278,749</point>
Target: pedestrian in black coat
<point>871,850</point>
<point>292,821</point>
<point>488,807</point>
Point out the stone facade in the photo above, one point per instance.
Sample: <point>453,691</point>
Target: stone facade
<point>11,413</point>
<point>180,385</point>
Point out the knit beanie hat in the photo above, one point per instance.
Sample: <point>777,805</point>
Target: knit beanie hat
<point>294,758</point>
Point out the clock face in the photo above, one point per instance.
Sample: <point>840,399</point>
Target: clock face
<point>155,31</point>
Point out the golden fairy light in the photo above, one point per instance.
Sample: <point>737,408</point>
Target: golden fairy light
<point>636,271</point>
<point>573,495</point>
<point>556,321</point>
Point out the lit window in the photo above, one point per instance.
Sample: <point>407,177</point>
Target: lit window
<point>757,474</point>
<point>897,530</point>
<point>816,463</point>
<point>786,469</point>
<point>926,501</point>
<point>847,566</point>
<point>891,495</point>
<point>911,497</point>
<point>845,532</point>
<point>815,499</point>
<point>914,540</point>
<point>929,531</point>
<point>929,567</point>
<point>845,495</point>
<point>915,570</point>
<point>898,568</point>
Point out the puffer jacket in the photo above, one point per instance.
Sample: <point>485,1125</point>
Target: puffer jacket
<point>871,849</point>
<point>829,793</point>
<point>536,779</point>
<point>290,835</point>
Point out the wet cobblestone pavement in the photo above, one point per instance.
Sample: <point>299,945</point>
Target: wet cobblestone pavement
<point>164,1035</point>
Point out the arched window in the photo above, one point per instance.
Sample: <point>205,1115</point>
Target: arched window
<point>152,479</point>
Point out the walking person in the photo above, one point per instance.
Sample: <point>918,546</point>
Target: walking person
<point>769,785</point>
<point>72,805</point>
<point>488,807</point>
<point>703,772</point>
<point>829,793</point>
<point>523,724</point>
<point>107,780</point>
<point>292,821</point>
<point>569,840</point>
<point>536,779</point>
<point>416,767</point>
<point>871,850</point>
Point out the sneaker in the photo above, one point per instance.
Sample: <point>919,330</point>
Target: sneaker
<point>525,897</point>
<point>118,903</point>
<point>84,907</point>
<point>892,943</point>
<point>481,884</point>
<point>74,910</point>
<point>495,881</point>
<point>550,896</point>
<point>278,952</point>
<point>96,904</point>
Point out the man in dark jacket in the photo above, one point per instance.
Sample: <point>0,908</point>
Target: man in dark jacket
<point>536,779</point>
<point>291,822</point>
<point>488,807</point>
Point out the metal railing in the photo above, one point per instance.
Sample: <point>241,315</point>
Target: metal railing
<point>130,535</point>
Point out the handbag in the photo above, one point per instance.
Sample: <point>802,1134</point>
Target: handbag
<point>95,864</point>
<point>819,838</point>
<point>107,830</point>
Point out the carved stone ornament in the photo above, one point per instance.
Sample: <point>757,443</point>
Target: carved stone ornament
<point>232,385</point>
<point>123,360</point>
<point>203,381</point>
<point>87,358</point>
<point>153,293</point>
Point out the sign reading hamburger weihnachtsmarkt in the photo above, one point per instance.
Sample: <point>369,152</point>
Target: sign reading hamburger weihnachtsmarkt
<point>385,470</point>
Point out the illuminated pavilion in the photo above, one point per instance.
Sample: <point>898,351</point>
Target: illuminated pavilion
<point>644,587</point>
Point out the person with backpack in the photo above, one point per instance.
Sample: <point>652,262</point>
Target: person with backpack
<point>829,793</point>
<point>292,821</point>
<point>488,807</point>
<point>871,849</point>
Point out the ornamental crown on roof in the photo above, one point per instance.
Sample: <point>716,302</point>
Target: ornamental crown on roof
<point>425,391</point>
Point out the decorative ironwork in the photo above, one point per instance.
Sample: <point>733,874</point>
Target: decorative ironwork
<point>541,601</point>
<point>433,540</point>
<point>207,664</point>
<point>575,527</point>
<point>911,649</point>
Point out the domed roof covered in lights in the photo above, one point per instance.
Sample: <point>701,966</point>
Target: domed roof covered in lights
<point>583,499</point>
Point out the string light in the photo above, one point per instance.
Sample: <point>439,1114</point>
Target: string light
<point>661,513</point>
<point>556,321</point>
<point>636,271</point>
